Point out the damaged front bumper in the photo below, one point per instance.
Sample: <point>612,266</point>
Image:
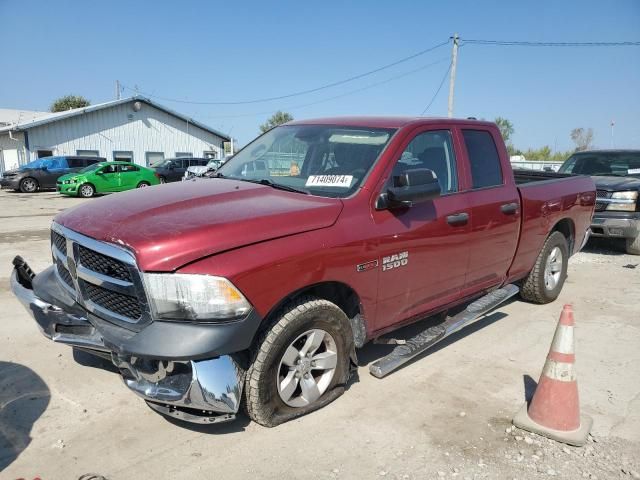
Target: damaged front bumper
<point>200,391</point>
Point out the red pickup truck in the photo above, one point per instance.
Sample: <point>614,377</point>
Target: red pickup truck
<point>315,238</point>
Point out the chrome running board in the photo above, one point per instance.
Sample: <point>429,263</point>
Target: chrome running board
<point>426,339</point>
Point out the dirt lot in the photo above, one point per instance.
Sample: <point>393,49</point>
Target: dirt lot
<point>446,415</point>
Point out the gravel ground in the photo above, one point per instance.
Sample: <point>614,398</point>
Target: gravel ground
<point>445,415</point>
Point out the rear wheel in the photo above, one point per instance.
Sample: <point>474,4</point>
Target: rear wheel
<point>544,283</point>
<point>143,185</point>
<point>300,364</point>
<point>28,185</point>
<point>86,190</point>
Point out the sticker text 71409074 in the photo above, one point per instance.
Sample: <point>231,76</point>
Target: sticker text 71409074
<point>343,181</point>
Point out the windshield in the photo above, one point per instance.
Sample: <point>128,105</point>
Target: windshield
<point>91,168</point>
<point>324,160</point>
<point>50,163</point>
<point>162,163</point>
<point>619,164</point>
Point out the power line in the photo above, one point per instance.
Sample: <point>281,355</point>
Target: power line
<point>351,92</point>
<point>303,92</point>
<point>548,44</point>
<point>444,77</point>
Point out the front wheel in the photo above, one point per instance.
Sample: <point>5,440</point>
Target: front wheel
<point>28,185</point>
<point>300,364</point>
<point>545,281</point>
<point>86,190</point>
<point>143,185</point>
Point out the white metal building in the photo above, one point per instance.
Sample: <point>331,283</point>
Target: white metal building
<point>135,129</point>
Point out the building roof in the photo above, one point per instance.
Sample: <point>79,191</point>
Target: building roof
<point>28,122</point>
<point>9,116</point>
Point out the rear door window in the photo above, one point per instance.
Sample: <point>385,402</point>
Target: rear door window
<point>483,157</point>
<point>76,162</point>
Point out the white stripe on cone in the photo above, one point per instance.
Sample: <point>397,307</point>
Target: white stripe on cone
<point>561,371</point>
<point>563,340</point>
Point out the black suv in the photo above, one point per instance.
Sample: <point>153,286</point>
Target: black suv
<point>616,174</point>
<point>172,169</point>
<point>43,173</point>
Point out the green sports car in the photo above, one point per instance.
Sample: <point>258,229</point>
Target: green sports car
<point>106,177</point>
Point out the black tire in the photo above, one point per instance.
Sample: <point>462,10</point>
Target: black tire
<point>534,288</point>
<point>163,179</point>
<point>263,402</point>
<point>29,185</point>
<point>86,190</point>
<point>143,185</point>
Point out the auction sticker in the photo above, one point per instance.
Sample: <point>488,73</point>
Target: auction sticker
<point>343,181</point>
<point>631,171</point>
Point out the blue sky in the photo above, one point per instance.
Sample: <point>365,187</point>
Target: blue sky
<point>229,51</point>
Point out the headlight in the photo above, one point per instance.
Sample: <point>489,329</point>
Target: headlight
<point>175,296</point>
<point>73,180</point>
<point>623,201</point>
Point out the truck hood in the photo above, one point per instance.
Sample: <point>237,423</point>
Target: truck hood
<point>613,183</point>
<point>171,225</point>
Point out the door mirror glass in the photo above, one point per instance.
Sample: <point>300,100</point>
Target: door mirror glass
<point>412,186</point>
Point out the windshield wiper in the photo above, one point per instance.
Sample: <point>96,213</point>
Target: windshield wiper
<point>278,186</point>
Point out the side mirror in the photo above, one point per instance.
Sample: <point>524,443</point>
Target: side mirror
<point>413,186</point>
<point>44,168</point>
<point>99,172</point>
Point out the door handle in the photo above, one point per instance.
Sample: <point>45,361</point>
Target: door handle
<point>509,208</point>
<point>458,219</point>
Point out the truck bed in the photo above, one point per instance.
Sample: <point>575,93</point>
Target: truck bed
<point>523,176</point>
<point>546,198</point>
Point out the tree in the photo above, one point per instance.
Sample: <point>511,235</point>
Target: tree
<point>68,102</point>
<point>506,128</point>
<point>276,119</point>
<point>582,138</point>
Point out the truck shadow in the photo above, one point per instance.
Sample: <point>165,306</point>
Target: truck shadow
<point>372,352</point>
<point>605,246</point>
<point>24,397</point>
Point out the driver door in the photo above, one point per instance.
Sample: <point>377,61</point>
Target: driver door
<point>423,251</point>
<point>108,179</point>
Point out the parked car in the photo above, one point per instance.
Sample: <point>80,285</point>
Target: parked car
<point>173,169</point>
<point>106,177</point>
<point>200,170</point>
<point>43,173</point>
<point>264,286</point>
<point>616,174</point>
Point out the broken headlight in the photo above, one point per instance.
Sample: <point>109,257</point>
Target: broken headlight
<point>176,296</point>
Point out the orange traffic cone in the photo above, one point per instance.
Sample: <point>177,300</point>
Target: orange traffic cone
<point>554,411</point>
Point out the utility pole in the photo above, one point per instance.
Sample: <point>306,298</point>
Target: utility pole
<point>117,89</point>
<point>613,123</point>
<point>452,77</point>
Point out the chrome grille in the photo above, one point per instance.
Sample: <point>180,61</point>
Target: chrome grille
<point>64,274</point>
<point>59,241</point>
<point>116,302</point>
<point>600,206</point>
<point>102,277</point>
<point>102,264</point>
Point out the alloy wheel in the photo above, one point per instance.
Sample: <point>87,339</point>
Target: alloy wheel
<point>307,368</point>
<point>553,268</point>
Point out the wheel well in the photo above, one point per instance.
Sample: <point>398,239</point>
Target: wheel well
<point>567,228</point>
<point>339,293</point>
<point>29,178</point>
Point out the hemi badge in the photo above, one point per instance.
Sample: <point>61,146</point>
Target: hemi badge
<point>363,267</point>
